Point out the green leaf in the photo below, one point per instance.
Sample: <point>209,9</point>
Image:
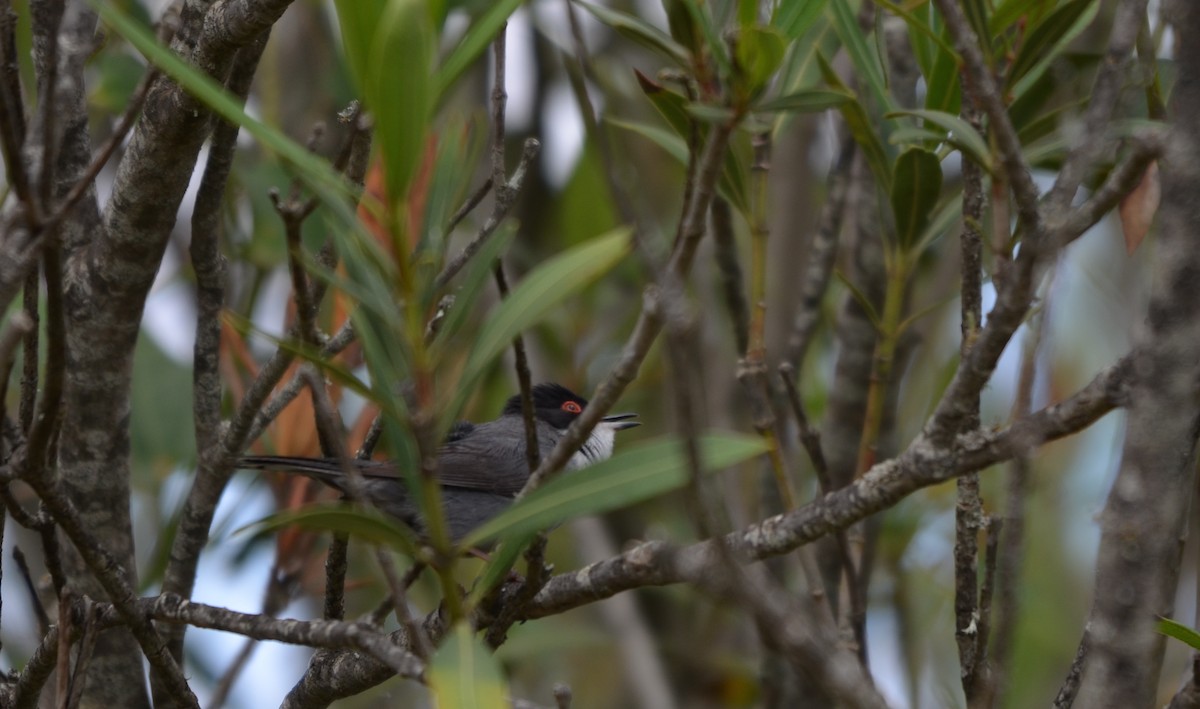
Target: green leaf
<point>918,27</point>
<point>359,21</point>
<point>712,39</point>
<point>943,90</point>
<point>862,129</point>
<point>671,105</point>
<point>805,101</point>
<point>673,144</point>
<point>916,185</point>
<point>632,475</point>
<point>500,561</point>
<point>639,31</point>
<point>475,279</point>
<point>947,214</point>
<point>732,185</point>
<point>679,22</point>
<point>340,374</point>
<point>463,674</point>
<point>391,50</point>
<point>1179,631</point>
<point>543,289</point>
<point>862,299</point>
<point>365,523</point>
<point>795,17</point>
<point>1047,41</point>
<point>863,54</point>
<point>958,133</point>
<point>473,43</point>
<point>458,148</point>
<point>706,113</point>
<point>759,52</point>
<point>1009,12</point>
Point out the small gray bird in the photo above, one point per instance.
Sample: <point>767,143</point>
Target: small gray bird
<point>481,467</point>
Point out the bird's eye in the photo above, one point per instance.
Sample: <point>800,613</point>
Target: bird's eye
<point>572,407</point>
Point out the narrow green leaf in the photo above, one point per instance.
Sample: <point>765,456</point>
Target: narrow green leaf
<point>679,22</point>
<point>760,51</point>
<point>1179,631</point>
<point>861,297</point>
<point>369,524</point>
<point>543,289</point>
<point>501,560</point>
<point>863,54</point>
<point>359,23</point>
<point>747,13</point>
<point>475,279</point>
<point>463,674</point>
<point>474,42</point>
<point>671,105</point>
<point>632,475</point>
<point>862,129</point>
<point>459,145</point>
<point>710,114</point>
<point>1009,12</point>
<point>397,85</point>
<point>336,371</point>
<point>732,184</point>
<point>957,132</point>
<point>1043,123</point>
<point>639,31</point>
<point>805,101</point>
<point>794,17</point>
<point>801,68</point>
<point>673,144</point>
<point>917,25</point>
<point>943,217</point>
<point>916,185</point>
<point>1046,42</point>
<point>943,90</point>
<point>1047,151</point>
<point>712,38</point>
<point>976,12</point>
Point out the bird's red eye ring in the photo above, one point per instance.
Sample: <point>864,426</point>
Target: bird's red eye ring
<point>572,407</point>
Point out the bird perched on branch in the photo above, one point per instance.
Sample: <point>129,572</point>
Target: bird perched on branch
<point>481,467</point>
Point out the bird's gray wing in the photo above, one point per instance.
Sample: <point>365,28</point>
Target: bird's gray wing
<point>492,457</point>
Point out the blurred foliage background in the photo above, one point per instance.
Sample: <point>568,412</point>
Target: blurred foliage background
<point>709,654</point>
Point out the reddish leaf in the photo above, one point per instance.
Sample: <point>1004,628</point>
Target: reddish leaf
<point>1138,208</point>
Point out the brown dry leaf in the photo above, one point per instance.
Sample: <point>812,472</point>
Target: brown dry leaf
<point>1138,208</point>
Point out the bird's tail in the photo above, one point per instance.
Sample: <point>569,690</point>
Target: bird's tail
<point>320,469</point>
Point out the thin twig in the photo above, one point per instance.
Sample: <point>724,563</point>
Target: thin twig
<point>35,600</point>
<point>500,209</point>
<point>819,266</point>
<point>109,573</point>
<point>968,507</point>
<point>36,672</point>
<point>327,423</point>
<point>1066,694</point>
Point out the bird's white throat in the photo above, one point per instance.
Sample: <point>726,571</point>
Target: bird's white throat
<point>598,447</point>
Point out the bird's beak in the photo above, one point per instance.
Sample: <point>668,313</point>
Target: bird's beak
<point>621,421</point>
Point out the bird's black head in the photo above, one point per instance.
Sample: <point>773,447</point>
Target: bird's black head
<point>559,406</point>
<point>553,403</point>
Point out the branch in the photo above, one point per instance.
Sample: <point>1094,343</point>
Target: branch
<point>885,484</point>
<point>332,634</point>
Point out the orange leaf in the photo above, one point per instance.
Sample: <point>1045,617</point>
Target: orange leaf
<point>1138,207</point>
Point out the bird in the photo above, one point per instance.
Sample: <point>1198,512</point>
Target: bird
<point>480,467</point>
